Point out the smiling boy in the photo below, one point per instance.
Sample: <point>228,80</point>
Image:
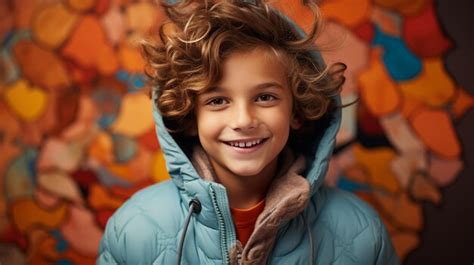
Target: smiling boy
<point>244,123</point>
<point>246,115</point>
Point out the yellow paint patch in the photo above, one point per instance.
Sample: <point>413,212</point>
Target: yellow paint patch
<point>377,163</point>
<point>159,172</point>
<point>135,117</point>
<point>26,101</point>
<point>433,86</point>
<point>26,213</point>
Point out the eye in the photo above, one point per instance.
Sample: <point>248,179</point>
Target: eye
<point>216,101</point>
<point>266,97</point>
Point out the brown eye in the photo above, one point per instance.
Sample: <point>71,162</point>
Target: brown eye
<point>217,101</point>
<point>266,97</point>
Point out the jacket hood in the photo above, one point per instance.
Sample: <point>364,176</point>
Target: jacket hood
<point>317,156</point>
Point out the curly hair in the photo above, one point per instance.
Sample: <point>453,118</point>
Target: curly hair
<point>200,34</point>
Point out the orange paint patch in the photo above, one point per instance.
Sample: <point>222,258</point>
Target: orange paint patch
<point>130,59</point>
<point>388,22</point>
<point>400,210</point>
<point>423,188</point>
<point>297,12</point>
<point>23,12</point>
<point>6,13</point>
<point>81,5</point>
<point>100,198</point>
<point>435,129</point>
<point>433,86</point>
<point>26,213</point>
<point>462,102</point>
<point>404,243</point>
<point>53,24</point>
<point>410,106</point>
<point>405,7</point>
<point>377,163</point>
<point>377,89</point>
<point>41,67</point>
<point>89,47</point>
<point>346,11</point>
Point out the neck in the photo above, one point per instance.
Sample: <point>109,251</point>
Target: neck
<point>246,191</point>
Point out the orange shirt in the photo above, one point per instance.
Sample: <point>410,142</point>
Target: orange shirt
<point>245,219</point>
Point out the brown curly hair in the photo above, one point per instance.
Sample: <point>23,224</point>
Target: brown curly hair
<point>200,34</point>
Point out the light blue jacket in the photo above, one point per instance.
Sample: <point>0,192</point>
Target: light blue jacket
<point>335,227</point>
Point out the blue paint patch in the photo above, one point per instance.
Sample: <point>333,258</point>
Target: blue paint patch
<point>61,243</point>
<point>134,82</point>
<point>346,184</point>
<point>64,262</point>
<point>122,75</point>
<point>399,61</point>
<point>138,81</point>
<point>124,148</point>
<point>109,102</point>
<point>108,179</point>
<point>20,177</point>
<point>11,69</point>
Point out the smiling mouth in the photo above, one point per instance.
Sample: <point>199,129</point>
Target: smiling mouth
<point>246,144</point>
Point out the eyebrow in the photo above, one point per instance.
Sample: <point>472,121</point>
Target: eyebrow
<point>261,86</point>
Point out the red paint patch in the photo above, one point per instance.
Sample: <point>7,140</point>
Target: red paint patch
<point>365,31</point>
<point>423,34</point>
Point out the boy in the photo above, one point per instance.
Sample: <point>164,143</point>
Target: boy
<point>246,114</point>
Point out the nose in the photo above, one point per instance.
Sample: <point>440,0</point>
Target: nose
<point>243,118</point>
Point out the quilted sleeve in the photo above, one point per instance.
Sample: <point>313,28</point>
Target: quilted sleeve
<point>386,252</point>
<point>108,243</point>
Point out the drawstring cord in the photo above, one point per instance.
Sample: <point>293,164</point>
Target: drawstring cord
<point>194,207</point>
<point>310,238</point>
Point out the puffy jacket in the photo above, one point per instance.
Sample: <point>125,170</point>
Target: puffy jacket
<point>329,226</point>
<point>304,222</point>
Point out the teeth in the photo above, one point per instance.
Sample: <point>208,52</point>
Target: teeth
<point>245,144</point>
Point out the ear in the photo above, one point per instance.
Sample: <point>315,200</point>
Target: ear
<point>295,123</point>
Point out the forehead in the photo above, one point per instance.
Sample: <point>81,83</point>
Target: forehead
<point>250,67</point>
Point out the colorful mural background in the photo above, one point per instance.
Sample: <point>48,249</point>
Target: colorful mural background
<point>77,137</point>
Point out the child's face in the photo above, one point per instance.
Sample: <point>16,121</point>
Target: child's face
<point>244,123</point>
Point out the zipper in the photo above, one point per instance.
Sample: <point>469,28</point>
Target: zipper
<point>239,257</point>
<point>222,228</point>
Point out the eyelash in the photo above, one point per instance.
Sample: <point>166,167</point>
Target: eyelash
<point>214,101</point>
<point>272,97</point>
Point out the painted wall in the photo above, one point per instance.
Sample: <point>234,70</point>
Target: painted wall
<point>77,136</point>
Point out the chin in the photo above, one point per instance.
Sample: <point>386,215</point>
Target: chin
<point>246,172</point>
